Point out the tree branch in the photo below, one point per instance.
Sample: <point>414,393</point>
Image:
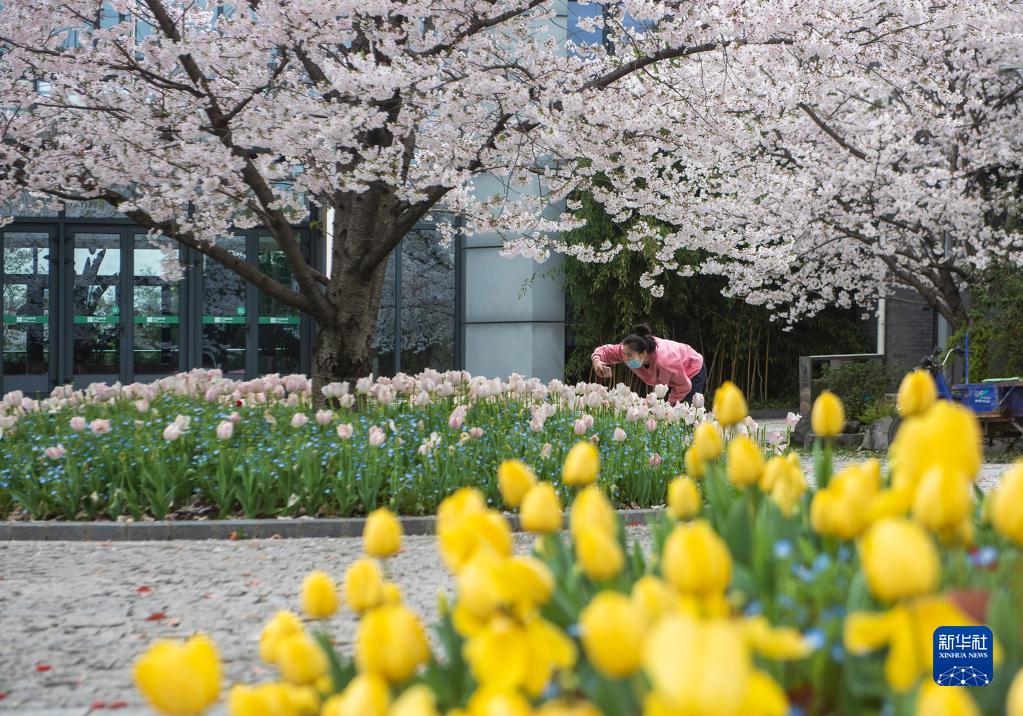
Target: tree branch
<point>831,132</point>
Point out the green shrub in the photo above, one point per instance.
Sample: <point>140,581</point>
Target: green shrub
<point>860,385</point>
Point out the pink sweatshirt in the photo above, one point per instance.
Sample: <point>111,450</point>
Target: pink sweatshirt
<point>672,364</point>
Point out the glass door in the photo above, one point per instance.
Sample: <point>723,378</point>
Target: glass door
<point>97,322</point>
<point>28,290</point>
<point>224,323</point>
<point>280,330</point>
<point>156,299</point>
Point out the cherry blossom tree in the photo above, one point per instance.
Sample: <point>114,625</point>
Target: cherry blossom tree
<point>817,151</point>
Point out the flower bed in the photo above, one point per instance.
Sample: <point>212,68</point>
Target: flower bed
<point>755,597</point>
<point>199,445</point>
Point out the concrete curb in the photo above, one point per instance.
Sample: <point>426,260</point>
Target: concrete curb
<point>242,529</point>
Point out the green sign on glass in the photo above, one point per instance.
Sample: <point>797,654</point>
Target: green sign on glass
<point>278,320</point>
<point>240,310</point>
<point>110,320</point>
<point>160,320</point>
<point>216,320</point>
<point>38,320</point>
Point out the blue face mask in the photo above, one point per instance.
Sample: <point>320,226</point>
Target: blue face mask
<point>634,363</point>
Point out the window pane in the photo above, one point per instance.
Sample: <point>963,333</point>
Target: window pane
<point>279,329</point>
<point>26,303</point>
<point>383,341</point>
<point>223,312</point>
<point>96,303</point>
<point>427,303</point>
<point>157,311</point>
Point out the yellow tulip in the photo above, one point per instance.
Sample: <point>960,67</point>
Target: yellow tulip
<point>889,503</point>
<point>707,443</point>
<point>390,641</point>
<point>934,700</point>
<point>1014,701</point>
<point>319,595</point>
<point>392,593</point>
<point>364,585</point>
<point>494,702</point>
<point>698,667</point>
<point>581,465</point>
<point>458,505</point>
<point>651,598</point>
<point>729,404</point>
<point>507,655</point>
<point>526,582</point>
<point>381,536</point>
<point>764,697</point>
<point>300,659</point>
<point>917,393</point>
<point>460,539</point>
<point>479,587</point>
<point>612,631</point>
<point>366,695</point>
<point>598,553</point>
<point>745,463</point>
<point>416,700</point>
<point>828,416</point>
<point>943,500</point>
<point>683,498</point>
<point>695,560</point>
<point>179,678</point>
<point>272,700</point>
<point>514,479</point>
<point>591,508</point>
<point>541,509</point>
<point>899,560</point>
<point>695,467</point>
<point>566,708</point>
<point>283,624</point>
<point>783,480</point>
<point>1007,505</point>
<point>775,643</point>
<point>946,435</point>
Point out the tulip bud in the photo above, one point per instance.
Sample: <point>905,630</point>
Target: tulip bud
<point>729,404</point>
<point>696,561</point>
<point>899,560</point>
<point>1014,701</point>
<point>179,677</point>
<point>418,700</point>
<point>917,393</point>
<point>319,595</point>
<point>942,500</point>
<point>391,641</point>
<point>381,536</point>
<point>541,509</point>
<point>828,416</point>
<point>599,553</point>
<point>707,442</point>
<point>1007,507</point>
<point>283,624</point>
<point>745,463</point>
<point>683,498</point>
<point>591,508</point>
<point>611,634</point>
<point>364,585</point>
<point>514,479</point>
<point>300,659</point>
<point>581,465</point>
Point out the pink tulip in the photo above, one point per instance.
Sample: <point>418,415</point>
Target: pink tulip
<point>594,439</point>
<point>171,432</point>
<point>619,435</point>
<point>225,430</point>
<point>235,417</point>
<point>56,452</point>
<point>792,419</point>
<point>142,406</point>
<point>651,425</point>
<point>211,395</point>
<point>545,451</point>
<point>457,417</point>
<point>100,427</point>
<point>655,460</point>
<point>299,420</point>
<point>579,428</point>
<point>376,436</point>
<point>775,437</point>
<point>698,400</point>
<point>78,423</point>
<point>324,417</point>
<point>588,420</point>
<point>345,431</point>
<point>476,433</point>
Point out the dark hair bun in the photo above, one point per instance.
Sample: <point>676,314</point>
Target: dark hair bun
<point>642,329</point>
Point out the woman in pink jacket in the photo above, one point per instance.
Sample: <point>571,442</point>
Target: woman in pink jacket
<point>656,361</point>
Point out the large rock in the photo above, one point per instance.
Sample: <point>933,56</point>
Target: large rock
<point>876,435</point>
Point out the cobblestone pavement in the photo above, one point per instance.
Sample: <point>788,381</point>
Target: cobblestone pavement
<point>75,615</point>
